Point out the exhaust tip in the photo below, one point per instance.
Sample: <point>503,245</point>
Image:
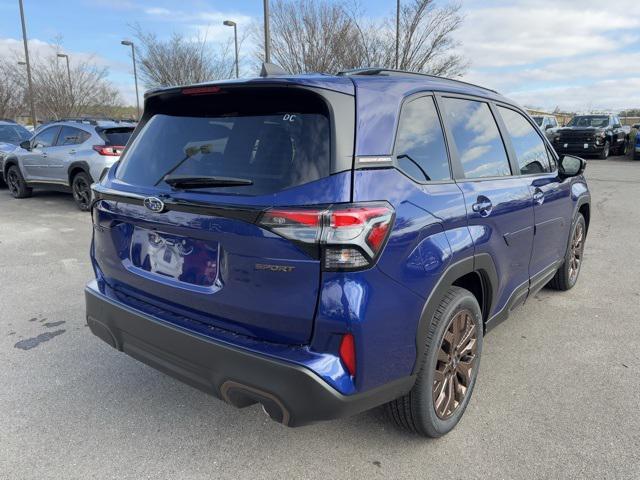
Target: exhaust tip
<point>241,396</point>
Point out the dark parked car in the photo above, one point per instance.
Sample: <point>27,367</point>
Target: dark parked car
<point>323,244</point>
<point>11,135</point>
<point>598,135</point>
<point>68,155</point>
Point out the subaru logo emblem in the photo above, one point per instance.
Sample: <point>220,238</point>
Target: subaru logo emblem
<point>154,204</point>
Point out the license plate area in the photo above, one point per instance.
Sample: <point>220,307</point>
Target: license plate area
<point>173,258</point>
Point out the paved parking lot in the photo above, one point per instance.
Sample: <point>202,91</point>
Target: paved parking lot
<point>557,395</point>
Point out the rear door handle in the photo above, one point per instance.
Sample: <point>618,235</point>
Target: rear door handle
<point>538,196</point>
<point>72,151</point>
<point>44,154</point>
<point>483,206</point>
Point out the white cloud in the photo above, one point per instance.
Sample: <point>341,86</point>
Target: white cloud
<point>566,53</point>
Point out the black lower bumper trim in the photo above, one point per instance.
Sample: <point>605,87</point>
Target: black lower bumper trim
<point>291,394</point>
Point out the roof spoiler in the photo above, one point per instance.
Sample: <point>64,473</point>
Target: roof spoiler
<point>272,70</point>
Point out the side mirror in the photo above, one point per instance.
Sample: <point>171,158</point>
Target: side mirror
<point>548,126</point>
<point>571,166</point>
<point>26,145</point>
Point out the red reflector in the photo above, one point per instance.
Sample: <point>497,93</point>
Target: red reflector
<point>200,90</point>
<point>348,353</point>
<point>109,151</point>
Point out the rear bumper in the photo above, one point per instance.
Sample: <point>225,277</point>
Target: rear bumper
<point>291,394</point>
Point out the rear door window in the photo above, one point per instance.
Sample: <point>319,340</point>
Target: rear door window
<point>477,138</point>
<point>287,145</point>
<point>420,147</point>
<point>72,136</point>
<point>529,147</point>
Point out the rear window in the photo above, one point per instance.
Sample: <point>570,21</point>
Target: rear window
<point>116,136</point>
<point>276,141</point>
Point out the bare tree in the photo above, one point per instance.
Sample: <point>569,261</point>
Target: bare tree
<point>311,36</point>
<point>11,90</point>
<point>89,88</point>
<point>180,60</point>
<point>324,36</point>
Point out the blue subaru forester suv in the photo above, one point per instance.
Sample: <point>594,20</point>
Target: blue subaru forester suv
<point>325,244</point>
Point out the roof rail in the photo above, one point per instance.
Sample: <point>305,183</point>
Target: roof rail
<point>391,71</point>
<point>91,120</point>
<point>7,120</point>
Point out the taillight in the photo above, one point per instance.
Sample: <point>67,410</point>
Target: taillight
<point>109,150</point>
<point>350,236</point>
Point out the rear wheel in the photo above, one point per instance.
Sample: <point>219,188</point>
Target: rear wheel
<point>604,154</point>
<point>567,275</point>
<point>448,371</point>
<point>81,188</point>
<point>16,184</point>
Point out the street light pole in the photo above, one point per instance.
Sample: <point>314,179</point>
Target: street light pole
<point>397,33</point>
<point>65,56</point>
<point>231,23</point>
<point>26,57</point>
<point>135,72</point>
<point>267,35</point>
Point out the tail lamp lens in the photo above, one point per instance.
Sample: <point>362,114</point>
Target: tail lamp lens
<point>109,150</point>
<point>351,236</point>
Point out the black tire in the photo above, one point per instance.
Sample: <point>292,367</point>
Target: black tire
<point>622,149</point>
<point>567,275</point>
<point>16,184</point>
<point>604,154</point>
<point>417,410</point>
<point>81,189</point>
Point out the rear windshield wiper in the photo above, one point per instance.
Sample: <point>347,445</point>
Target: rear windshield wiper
<point>189,181</point>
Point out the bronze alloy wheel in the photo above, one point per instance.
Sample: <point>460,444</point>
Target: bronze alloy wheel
<point>456,363</point>
<point>577,247</point>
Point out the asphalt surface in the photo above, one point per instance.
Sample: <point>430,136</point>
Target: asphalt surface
<point>557,395</point>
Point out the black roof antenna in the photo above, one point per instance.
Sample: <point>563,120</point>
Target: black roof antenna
<point>272,70</point>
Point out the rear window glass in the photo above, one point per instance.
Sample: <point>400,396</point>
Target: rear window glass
<point>275,149</point>
<point>117,136</point>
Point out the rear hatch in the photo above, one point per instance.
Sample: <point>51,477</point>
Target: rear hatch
<point>115,139</point>
<point>179,220</point>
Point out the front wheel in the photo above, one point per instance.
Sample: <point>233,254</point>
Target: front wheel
<point>81,188</point>
<point>567,275</point>
<point>17,186</point>
<point>449,368</point>
<point>604,154</point>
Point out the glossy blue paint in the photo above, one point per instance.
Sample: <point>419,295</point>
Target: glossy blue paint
<point>300,316</point>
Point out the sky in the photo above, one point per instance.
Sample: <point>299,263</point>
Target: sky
<point>578,55</point>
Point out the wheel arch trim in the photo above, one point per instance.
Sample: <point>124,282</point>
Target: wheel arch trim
<point>484,266</point>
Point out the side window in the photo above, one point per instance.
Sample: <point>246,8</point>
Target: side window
<point>46,138</point>
<point>477,138</point>
<point>72,136</point>
<point>529,146</point>
<point>420,148</point>
<point>554,122</point>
